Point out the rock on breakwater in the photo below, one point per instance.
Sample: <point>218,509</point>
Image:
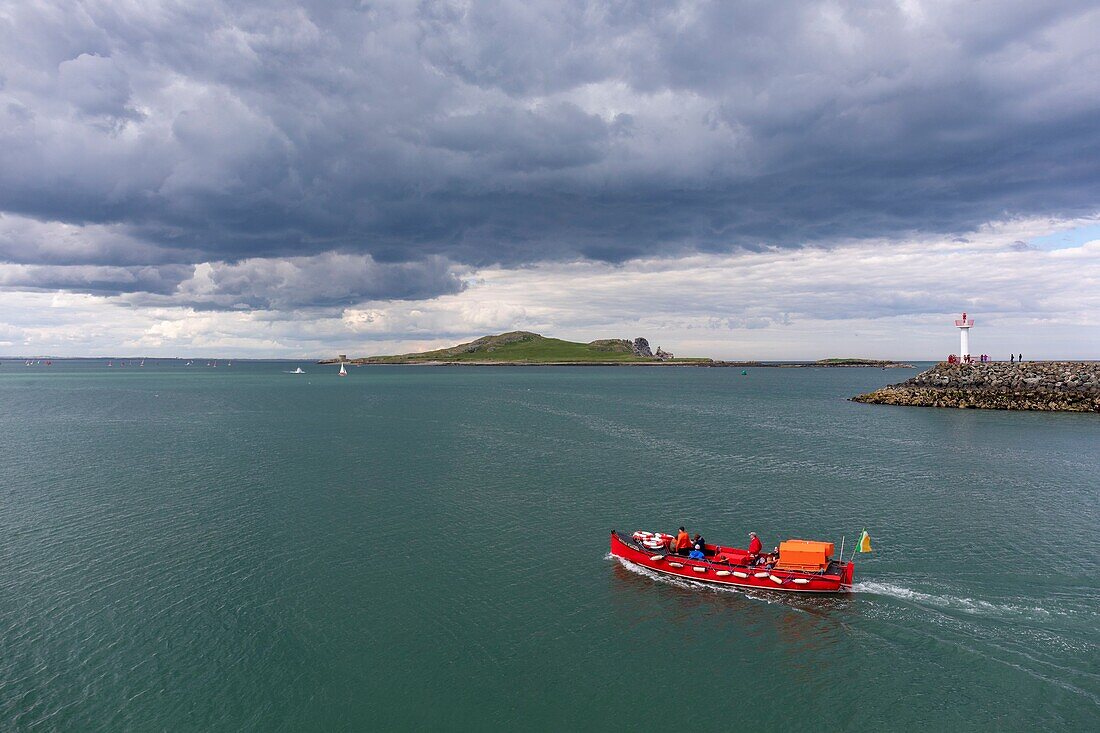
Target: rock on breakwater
<point>1072,386</point>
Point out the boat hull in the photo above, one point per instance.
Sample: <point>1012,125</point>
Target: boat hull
<point>726,574</point>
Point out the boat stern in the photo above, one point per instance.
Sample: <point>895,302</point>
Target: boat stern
<point>848,574</point>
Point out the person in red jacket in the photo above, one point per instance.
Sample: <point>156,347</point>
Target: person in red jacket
<point>754,547</point>
<point>682,544</point>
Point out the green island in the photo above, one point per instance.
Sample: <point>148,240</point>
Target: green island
<point>525,347</point>
<point>528,348</point>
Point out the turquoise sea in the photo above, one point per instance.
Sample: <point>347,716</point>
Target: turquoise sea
<point>237,548</point>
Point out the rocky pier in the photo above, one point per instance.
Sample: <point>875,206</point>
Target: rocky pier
<point>1072,386</point>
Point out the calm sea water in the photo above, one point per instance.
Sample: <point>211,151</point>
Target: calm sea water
<point>190,548</point>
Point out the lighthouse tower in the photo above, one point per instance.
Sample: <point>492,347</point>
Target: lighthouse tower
<point>964,325</point>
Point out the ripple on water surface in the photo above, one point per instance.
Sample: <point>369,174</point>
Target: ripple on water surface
<point>427,548</point>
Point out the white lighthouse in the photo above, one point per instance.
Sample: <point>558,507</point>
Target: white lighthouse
<point>964,325</point>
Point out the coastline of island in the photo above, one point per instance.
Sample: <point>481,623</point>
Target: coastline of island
<point>524,348</point>
<point>700,362</point>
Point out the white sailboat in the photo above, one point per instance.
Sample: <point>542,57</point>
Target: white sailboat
<point>343,371</point>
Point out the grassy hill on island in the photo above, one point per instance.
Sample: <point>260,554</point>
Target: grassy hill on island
<point>524,347</point>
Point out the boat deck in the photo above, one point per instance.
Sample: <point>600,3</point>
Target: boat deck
<point>834,568</point>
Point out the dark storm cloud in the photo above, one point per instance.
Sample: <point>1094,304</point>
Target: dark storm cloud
<point>467,133</point>
<point>98,280</point>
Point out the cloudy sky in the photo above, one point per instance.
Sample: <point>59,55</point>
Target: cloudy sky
<point>770,180</point>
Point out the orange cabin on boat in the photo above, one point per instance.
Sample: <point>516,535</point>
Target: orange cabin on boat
<point>806,555</point>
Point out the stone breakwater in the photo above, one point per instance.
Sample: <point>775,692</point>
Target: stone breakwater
<point>1072,386</point>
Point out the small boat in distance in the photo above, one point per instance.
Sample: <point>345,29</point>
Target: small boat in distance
<point>803,566</point>
<point>343,371</point>
<point>299,370</point>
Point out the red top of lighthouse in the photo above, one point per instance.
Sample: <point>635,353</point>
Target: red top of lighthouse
<point>964,322</point>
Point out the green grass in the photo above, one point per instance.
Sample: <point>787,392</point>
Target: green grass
<point>520,348</point>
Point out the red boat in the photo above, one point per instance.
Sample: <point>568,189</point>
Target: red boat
<point>803,566</point>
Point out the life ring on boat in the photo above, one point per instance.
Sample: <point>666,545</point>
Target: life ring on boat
<point>774,579</point>
<point>723,573</point>
<point>653,544</point>
<point>699,569</point>
<point>739,574</point>
<point>676,565</point>
<point>640,535</point>
<point>760,575</point>
<point>802,581</point>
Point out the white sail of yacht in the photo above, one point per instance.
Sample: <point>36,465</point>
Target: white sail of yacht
<point>343,371</point>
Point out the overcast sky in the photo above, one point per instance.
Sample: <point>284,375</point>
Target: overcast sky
<point>769,180</point>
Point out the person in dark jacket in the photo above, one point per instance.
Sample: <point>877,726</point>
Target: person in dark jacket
<point>697,548</point>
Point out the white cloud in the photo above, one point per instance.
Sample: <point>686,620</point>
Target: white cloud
<point>860,298</point>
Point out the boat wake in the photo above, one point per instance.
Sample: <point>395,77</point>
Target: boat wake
<point>956,603</point>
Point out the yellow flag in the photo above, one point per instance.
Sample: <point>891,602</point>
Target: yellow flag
<point>865,542</point>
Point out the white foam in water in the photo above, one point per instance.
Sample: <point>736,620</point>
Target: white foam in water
<point>966,605</point>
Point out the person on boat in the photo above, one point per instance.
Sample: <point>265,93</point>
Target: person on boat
<point>698,548</point>
<point>755,545</point>
<point>682,543</point>
<point>771,558</point>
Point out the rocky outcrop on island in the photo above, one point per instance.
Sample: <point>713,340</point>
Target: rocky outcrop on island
<point>1072,386</point>
<point>641,347</point>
